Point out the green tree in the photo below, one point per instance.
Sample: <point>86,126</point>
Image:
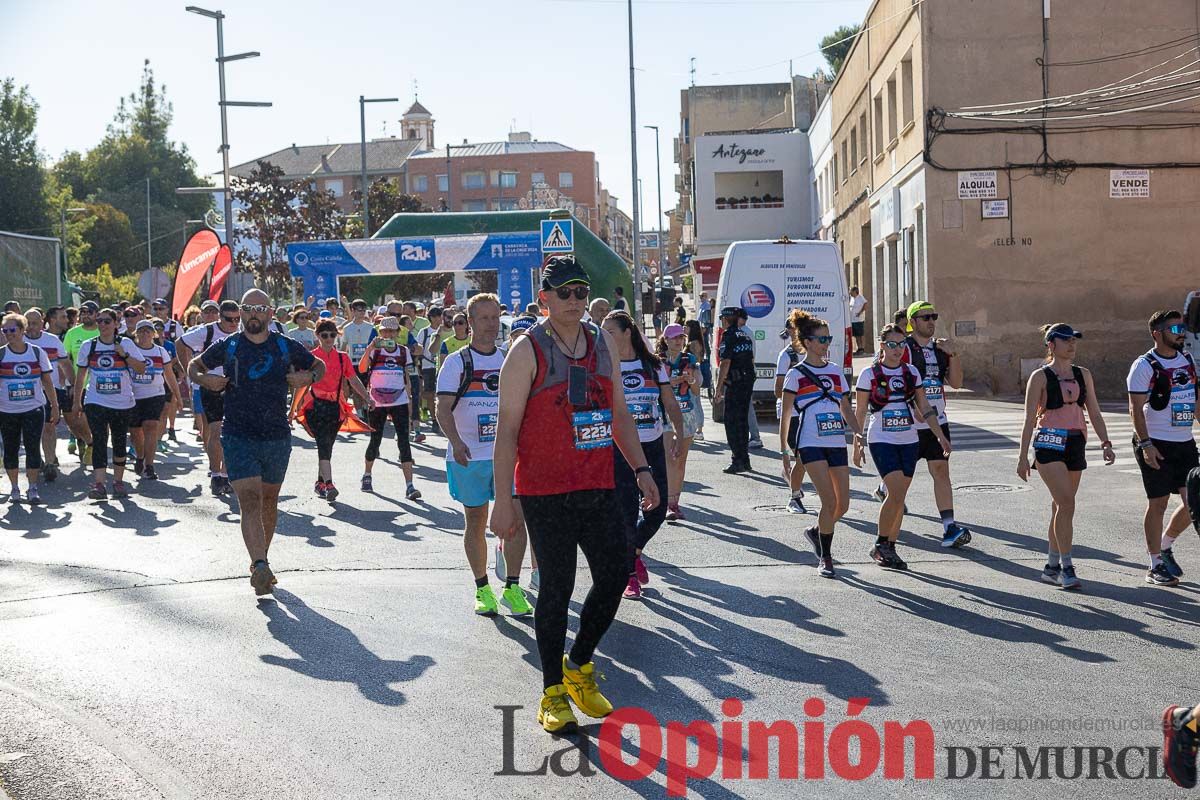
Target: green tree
<point>111,241</point>
<point>109,288</point>
<point>836,46</point>
<point>22,200</point>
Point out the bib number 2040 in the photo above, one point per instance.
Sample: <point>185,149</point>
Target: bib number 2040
<point>593,429</point>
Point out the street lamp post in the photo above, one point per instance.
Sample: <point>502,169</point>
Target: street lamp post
<point>63,238</point>
<point>658,174</point>
<point>633,143</point>
<point>362,121</point>
<point>219,16</point>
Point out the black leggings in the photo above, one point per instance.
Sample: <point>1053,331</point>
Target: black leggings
<point>558,524</point>
<point>629,498</point>
<point>737,420</point>
<point>103,421</point>
<point>377,418</point>
<point>325,419</point>
<point>25,427</point>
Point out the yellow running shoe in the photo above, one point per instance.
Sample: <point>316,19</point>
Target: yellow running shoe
<point>554,712</point>
<point>514,598</point>
<point>581,685</point>
<point>485,602</point>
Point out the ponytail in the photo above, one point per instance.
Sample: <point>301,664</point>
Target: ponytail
<point>802,325</point>
<point>641,347</point>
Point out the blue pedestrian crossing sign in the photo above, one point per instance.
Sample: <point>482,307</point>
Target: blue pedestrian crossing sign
<point>558,235</point>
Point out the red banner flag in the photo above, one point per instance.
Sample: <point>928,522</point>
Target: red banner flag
<point>194,262</point>
<point>222,268</point>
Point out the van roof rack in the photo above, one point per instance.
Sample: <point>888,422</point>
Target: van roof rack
<point>783,240</point>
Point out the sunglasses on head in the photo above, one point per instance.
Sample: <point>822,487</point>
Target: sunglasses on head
<point>892,345</point>
<point>927,317</point>
<point>580,292</point>
<point>820,339</point>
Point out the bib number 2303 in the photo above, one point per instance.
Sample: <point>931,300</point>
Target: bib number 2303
<point>593,429</point>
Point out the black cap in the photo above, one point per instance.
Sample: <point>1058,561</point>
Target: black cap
<point>91,305</point>
<point>733,311</point>
<point>561,270</point>
<point>1062,331</point>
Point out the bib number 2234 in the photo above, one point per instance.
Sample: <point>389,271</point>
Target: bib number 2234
<point>593,429</point>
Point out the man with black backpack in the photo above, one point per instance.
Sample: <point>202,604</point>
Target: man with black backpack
<point>1162,404</point>
<point>193,343</point>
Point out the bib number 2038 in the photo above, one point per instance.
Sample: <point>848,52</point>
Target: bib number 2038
<point>593,429</point>
<point>1050,439</point>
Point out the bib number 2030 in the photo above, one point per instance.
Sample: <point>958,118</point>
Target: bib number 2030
<point>593,429</point>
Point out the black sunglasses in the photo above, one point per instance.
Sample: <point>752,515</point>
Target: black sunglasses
<point>927,317</point>
<point>230,319</point>
<point>129,314</point>
<point>106,320</point>
<point>580,292</point>
<point>328,335</point>
<point>460,322</point>
<point>820,339</point>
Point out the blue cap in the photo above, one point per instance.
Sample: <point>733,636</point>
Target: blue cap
<point>523,323</point>
<point>326,314</point>
<point>1062,331</point>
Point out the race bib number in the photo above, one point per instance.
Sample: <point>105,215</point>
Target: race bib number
<point>896,420</point>
<point>1182,414</point>
<point>831,424</point>
<point>357,351</point>
<point>20,391</point>
<point>685,403</point>
<point>1050,439</point>
<point>385,396</point>
<point>643,415</point>
<point>593,429</point>
<point>933,389</point>
<point>487,427</point>
<point>108,384</point>
<point>146,377</point>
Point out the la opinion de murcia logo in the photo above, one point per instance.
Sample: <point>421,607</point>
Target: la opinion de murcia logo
<point>740,153</point>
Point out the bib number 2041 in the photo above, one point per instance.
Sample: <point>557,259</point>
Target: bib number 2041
<point>593,429</point>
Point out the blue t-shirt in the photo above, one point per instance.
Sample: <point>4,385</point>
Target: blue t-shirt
<point>256,398</point>
<point>169,346</point>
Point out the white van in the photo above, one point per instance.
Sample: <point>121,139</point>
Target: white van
<point>769,279</point>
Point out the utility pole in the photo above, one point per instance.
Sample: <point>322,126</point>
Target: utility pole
<point>637,250</point>
<point>449,184</point>
<point>149,262</point>
<point>662,261</point>
<point>362,121</point>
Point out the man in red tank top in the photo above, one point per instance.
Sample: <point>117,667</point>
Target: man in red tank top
<point>559,419</point>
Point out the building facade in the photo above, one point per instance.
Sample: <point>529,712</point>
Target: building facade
<point>1019,164</point>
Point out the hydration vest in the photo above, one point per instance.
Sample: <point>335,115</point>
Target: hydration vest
<point>881,394</point>
<point>1054,393</point>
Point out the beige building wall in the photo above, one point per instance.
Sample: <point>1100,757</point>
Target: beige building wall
<point>1069,252</point>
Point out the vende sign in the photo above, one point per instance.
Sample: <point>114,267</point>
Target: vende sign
<point>1129,183</point>
<point>978,184</point>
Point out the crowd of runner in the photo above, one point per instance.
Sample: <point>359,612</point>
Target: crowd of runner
<point>589,449</point>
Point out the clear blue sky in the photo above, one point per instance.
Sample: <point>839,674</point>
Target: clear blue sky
<point>558,68</point>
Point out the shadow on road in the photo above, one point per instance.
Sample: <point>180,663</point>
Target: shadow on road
<point>36,521</point>
<point>331,652</point>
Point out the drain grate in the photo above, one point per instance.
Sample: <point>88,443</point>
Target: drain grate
<point>772,509</point>
<point>991,488</point>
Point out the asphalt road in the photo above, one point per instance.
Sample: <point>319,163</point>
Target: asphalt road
<point>135,661</point>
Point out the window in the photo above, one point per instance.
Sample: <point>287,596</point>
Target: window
<point>845,162</point>
<point>566,180</point>
<point>336,186</point>
<point>505,204</point>
<point>749,190</point>
<point>833,167</point>
<point>853,150</point>
<point>443,183</point>
<point>420,183</point>
<point>879,124</point>
<point>508,180</point>
<point>906,77</point>
<point>538,177</point>
<point>474,205</point>
<point>866,136</point>
<point>893,128</point>
<point>474,180</point>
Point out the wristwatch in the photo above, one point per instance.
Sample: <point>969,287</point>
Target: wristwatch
<point>644,468</point>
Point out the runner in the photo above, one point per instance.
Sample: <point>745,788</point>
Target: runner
<point>889,390</point>
<point>939,368</point>
<point>1162,403</point>
<point>27,403</point>
<point>174,401</point>
<point>557,425</point>
<point>73,340</point>
<point>304,331</point>
<point>468,407</point>
<point>736,352</point>
<point>698,346</point>
<point>520,326</point>
<point>685,382</point>
<point>789,357</point>
<point>356,337</point>
<point>409,338</point>
<point>459,338</point>
<point>429,339</point>
<point>210,404</point>
<point>161,310</point>
<point>1181,740</point>
<point>386,365</point>
<point>1055,399</point>
<point>107,365</point>
<point>816,397</point>
<point>323,413</point>
<point>151,389</point>
<point>60,376</point>
<point>648,393</point>
<point>251,372</point>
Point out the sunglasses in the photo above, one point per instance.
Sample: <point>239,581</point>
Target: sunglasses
<point>328,335</point>
<point>458,322</point>
<point>106,321</point>
<point>893,345</point>
<point>580,292</point>
<point>157,307</point>
<point>1176,329</point>
<point>9,331</point>
<point>257,309</point>
<point>129,314</point>
<point>927,317</point>
<point>817,339</point>
<point>230,319</point>
<point>358,308</point>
